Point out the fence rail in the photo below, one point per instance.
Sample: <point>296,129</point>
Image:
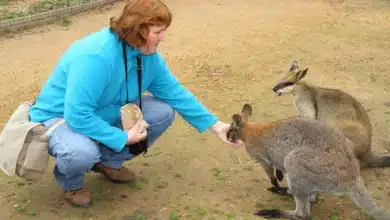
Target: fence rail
<point>44,17</point>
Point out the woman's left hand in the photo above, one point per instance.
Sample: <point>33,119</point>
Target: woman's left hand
<point>220,129</point>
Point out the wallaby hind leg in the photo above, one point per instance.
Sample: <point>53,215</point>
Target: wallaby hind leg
<point>372,160</point>
<point>302,204</point>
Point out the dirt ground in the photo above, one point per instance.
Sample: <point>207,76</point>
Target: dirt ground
<point>226,52</point>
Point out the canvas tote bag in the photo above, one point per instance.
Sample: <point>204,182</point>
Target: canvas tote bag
<point>24,145</point>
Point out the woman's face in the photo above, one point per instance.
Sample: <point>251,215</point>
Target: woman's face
<point>156,34</point>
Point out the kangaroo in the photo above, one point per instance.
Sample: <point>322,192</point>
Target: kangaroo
<point>335,107</point>
<point>313,156</point>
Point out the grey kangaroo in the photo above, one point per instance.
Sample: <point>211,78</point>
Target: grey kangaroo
<point>313,156</point>
<point>336,108</point>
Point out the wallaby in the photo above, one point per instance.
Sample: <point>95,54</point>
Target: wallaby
<point>313,156</point>
<point>335,107</point>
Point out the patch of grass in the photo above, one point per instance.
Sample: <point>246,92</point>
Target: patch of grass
<point>11,15</point>
<point>229,216</point>
<point>135,216</point>
<point>136,186</point>
<point>216,171</point>
<point>25,211</point>
<point>286,198</point>
<point>173,216</point>
<point>143,179</point>
<point>86,214</point>
<point>335,215</point>
<point>65,22</point>
<point>260,205</point>
<point>105,196</point>
<point>161,185</point>
<point>178,175</point>
<point>217,212</point>
<point>3,2</point>
<point>218,174</point>
<point>200,211</point>
<point>39,7</point>
<point>248,168</point>
<point>346,197</point>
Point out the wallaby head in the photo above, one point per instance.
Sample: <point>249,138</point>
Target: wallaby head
<point>234,133</point>
<point>288,83</point>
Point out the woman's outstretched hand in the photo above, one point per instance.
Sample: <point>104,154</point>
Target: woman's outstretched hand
<point>220,129</point>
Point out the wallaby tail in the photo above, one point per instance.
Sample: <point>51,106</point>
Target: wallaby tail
<point>375,160</point>
<point>363,199</point>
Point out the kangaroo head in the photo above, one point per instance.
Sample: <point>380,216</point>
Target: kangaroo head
<point>234,133</point>
<point>288,83</point>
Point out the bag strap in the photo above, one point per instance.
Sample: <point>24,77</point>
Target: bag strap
<point>139,73</point>
<point>52,128</point>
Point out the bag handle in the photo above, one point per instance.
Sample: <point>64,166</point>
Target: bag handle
<point>143,143</point>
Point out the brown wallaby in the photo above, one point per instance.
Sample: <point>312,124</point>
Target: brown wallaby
<point>313,156</point>
<point>336,108</point>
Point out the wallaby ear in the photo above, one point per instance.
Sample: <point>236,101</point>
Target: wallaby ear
<point>301,74</point>
<point>294,67</point>
<point>237,119</point>
<point>246,111</point>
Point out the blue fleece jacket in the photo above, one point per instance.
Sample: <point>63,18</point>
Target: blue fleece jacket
<point>87,88</point>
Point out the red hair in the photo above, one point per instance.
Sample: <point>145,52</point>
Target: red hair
<point>137,15</point>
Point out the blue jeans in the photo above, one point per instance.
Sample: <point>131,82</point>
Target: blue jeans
<point>76,154</point>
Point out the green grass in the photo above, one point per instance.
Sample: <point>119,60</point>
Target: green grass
<point>335,215</point>
<point>3,2</point>
<point>173,216</point>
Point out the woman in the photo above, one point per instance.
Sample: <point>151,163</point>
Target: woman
<point>88,87</point>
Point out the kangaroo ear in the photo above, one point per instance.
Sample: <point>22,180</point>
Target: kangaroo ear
<point>237,120</point>
<point>294,67</point>
<point>246,111</point>
<point>301,74</point>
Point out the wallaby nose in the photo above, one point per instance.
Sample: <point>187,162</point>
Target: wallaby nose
<point>275,88</point>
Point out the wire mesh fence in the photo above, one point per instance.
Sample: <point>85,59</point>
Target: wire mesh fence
<point>15,14</point>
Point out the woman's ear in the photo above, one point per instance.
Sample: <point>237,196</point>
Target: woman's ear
<point>143,30</point>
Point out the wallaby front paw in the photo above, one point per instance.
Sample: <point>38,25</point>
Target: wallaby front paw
<point>279,190</point>
<point>279,175</point>
<point>269,213</point>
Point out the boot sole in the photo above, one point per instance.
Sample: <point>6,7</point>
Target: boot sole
<point>78,205</point>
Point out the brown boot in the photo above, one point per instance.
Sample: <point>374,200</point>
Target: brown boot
<point>79,198</point>
<point>121,175</point>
